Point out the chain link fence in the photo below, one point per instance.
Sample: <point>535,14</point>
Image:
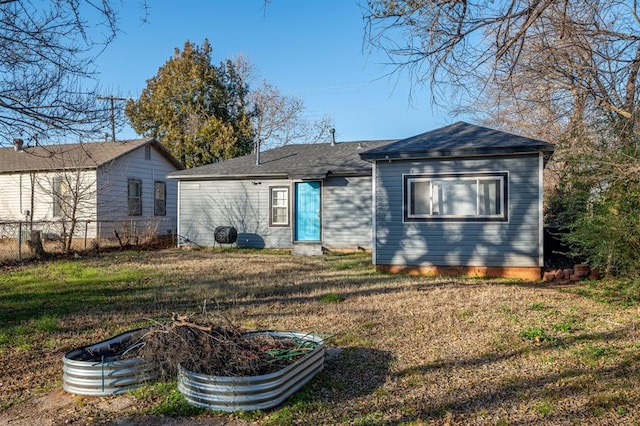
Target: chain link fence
<point>18,239</point>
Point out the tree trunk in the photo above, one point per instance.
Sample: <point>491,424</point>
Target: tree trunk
<point>35,244</point>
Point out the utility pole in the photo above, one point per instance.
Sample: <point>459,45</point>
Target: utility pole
<point>112,99</point>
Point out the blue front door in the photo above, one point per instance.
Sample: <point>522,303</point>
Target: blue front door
<point>307,211</point>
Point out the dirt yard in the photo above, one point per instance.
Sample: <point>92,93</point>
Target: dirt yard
<point>413,350</point>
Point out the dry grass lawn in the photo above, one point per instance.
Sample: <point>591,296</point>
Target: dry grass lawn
<point>414,350</point>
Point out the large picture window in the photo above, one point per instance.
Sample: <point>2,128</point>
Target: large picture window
<point>456,197</point>
<point>135,197</point>
<point>279,206</point>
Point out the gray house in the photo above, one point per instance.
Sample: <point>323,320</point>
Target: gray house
<point>305,197</point>
<point>461,199</point>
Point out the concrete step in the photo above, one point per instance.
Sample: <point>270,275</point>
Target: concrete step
<point>307,249</point>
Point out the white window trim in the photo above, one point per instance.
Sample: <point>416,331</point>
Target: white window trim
<point>502,176</point>
<point>287,205</point>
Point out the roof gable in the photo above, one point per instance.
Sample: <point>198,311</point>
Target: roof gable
<point>458,140</point>
<point>296,161</point>
<point>87,155</point>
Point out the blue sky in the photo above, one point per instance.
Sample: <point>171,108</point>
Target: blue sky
<point>313,50</point>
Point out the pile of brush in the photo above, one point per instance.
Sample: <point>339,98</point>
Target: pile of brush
<point>217,350</point>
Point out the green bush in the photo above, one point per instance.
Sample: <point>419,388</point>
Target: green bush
<point>597,204</point>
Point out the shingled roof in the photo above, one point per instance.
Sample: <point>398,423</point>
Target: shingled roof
<point>296,161</point>
<point>458,140</point>
<point>88,155</point>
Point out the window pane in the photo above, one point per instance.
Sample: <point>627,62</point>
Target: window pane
<point>420,197</point>
<point>57,201</point>
<point>134,188</point>
<point>134,199</point>
<point>489,199</point>
<point>160,205</point>
<point>159,191</point>
<point>279,197</point>
<point>279,215</point>
<point>135,207</point>
<point>455,197</point>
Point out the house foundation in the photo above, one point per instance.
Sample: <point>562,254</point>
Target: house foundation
<point>524,273</point>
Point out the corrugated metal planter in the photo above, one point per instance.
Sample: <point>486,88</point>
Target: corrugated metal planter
<point>253,392</point>
<point>93,370</point>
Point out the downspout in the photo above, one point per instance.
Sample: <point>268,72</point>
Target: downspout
<point>373,212</point>
<point>20,194</point>
<point>541,209</point>
<point>32,201</point>
<point>178,215</point>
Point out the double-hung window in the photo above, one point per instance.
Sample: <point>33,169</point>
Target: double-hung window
<point>456,197</point>
<point>279,206</point>
<point>135,197</point>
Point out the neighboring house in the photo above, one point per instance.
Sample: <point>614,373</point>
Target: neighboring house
<point>461,199</point>
<point>303,196</point>
<point>104,185</point>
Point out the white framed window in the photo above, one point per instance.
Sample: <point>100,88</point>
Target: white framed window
<point>135,197</point>
<point>279,206</point>
<point>456,197</point>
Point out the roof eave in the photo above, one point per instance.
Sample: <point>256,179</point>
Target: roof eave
<point>227,177</point>
<point>481,152</point>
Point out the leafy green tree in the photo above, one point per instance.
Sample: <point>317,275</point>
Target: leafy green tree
<point>197,110</point>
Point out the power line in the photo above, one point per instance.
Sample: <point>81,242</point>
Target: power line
<point>113,113</point>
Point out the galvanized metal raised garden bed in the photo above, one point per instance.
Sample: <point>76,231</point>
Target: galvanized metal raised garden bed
<point>96,370</point>
<point>253,392</point>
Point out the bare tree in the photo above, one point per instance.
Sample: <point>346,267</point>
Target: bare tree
<point>48,82</point>
<point>584,55</point>
<point>71,187</point>
<point>73,192</point>
<point>279,120</point>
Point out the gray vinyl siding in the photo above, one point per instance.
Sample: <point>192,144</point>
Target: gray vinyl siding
<point>346,212</point>
<point>243,204</point>
<point>513,243</point>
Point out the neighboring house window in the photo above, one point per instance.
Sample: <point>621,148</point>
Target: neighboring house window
<point>160,199</point>
<point>147,152</point>
<point>61,196</point>
<point>279,204</point>
<point>456,197</point>
<point>135,197</point>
